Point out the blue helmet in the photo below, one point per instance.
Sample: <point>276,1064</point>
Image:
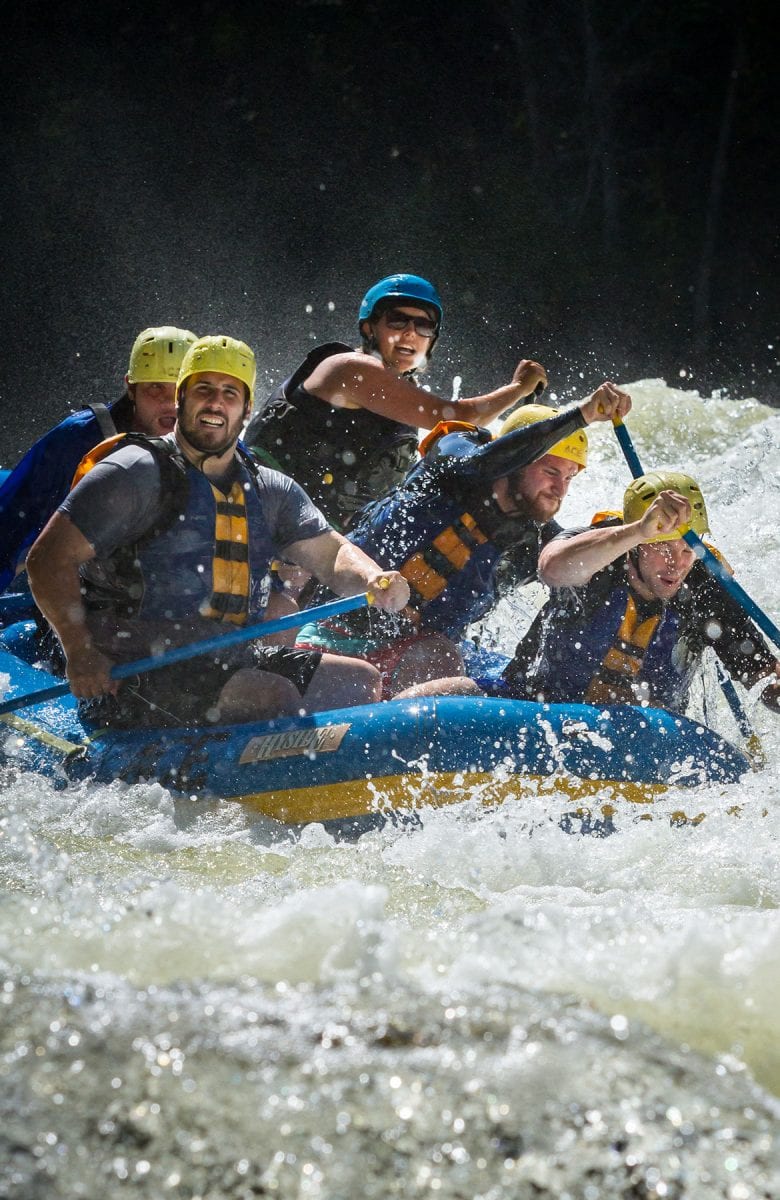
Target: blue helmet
<point>403,287</point>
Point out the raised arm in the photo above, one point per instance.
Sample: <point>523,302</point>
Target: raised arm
<point>359,381</point>
<point>572,561</point>
<point>524,445</point>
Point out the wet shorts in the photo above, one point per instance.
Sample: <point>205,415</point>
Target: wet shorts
<point>186,692</point>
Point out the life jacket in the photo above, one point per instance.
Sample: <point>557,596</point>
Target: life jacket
<point>610,656</point>
<point>617,654</point>
<point>442,542</point>
<point>616,681</point>
<point>433,440</point>
<point>429,570</point>
<point>342,457</point>
<point>103,417</point>
<point>96,454</point>
<point>39,482</point>
<point>207,552</point>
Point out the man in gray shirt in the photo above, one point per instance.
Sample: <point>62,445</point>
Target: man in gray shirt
<point>162,539</point>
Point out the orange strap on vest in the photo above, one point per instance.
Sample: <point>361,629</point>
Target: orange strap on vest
<point>93,457</point>
<point>428,571</point>
<point>623,660</point>
<point>606,515</point>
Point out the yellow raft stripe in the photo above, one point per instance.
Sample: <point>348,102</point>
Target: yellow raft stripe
<point>40,735</point>
<point>364,797</point>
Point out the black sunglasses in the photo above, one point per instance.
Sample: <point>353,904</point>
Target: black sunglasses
<point>398,320</point>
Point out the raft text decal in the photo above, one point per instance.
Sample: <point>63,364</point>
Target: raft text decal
<point>293,742</point>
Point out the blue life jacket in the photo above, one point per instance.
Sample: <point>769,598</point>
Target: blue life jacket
<point>169,573</point>
<point>41,480</point>
<point>446,536</point>
<point>579,660</point>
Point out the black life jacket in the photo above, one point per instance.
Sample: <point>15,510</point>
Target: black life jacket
<point>342,457</point>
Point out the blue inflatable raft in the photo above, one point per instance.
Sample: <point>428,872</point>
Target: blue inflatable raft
<point>354,768</point>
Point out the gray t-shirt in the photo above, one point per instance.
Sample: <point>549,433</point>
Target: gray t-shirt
<point>118,501</point>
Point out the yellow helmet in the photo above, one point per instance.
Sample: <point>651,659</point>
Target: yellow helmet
<point>641,493</point>
<point>574,447</point>
<point>157,353</point>
<point>218,352</point>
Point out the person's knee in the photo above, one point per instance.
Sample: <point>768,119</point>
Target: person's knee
<point>367,681</point>
<point>455,685</point>
<point>433,657</point>
<point>251,695</point>
<point>340,681</point>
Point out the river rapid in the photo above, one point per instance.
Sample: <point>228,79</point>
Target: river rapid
<point>485,1006</point>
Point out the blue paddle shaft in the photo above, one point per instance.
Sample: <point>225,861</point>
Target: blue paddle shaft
<point>194,649</point>
<point>710,560</point>
<point>729,584</point>
<point>627,446</point>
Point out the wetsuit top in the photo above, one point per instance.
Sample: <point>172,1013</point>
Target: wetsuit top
<point>584,638</point>
<point>41,480</point>
<point>343,457</point>
<point>443,530</point>
<point>150,566</point>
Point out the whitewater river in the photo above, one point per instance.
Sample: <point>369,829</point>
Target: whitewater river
<point>482,1007</point>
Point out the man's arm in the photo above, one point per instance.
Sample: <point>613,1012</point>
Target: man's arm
<point>739,645</point>
<point>572,561</point>
<point>524,445</point>
<point>53,569</point>
<point>359,381</point>
<point>347,570</point>
<point>113,504</point>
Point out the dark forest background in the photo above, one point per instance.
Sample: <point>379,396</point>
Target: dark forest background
<point>592,183</point>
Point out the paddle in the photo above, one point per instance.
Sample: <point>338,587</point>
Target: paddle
<point>754,747</point>
<point>627,446</point>
<point>16,604</point>
<point>711,562</point>
<point>194,649</point>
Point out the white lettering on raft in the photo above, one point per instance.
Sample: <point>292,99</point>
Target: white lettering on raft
<point>294,742</point>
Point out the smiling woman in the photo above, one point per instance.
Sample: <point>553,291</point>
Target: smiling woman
<point>345,423</point>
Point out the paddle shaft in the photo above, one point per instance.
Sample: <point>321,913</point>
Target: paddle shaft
<point>700,550</point>
<point>195,649</point>
<point>710,560</point>
<point>627,446</point>
<point>729,583</point>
